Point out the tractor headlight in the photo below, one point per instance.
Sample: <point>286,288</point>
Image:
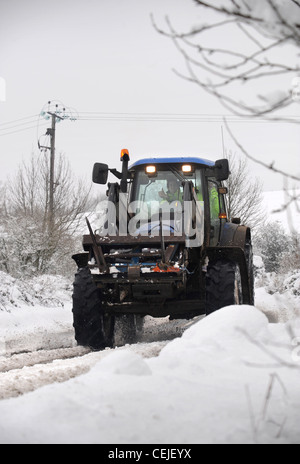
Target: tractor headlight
<point>187,169</point>
<point>151,170</point>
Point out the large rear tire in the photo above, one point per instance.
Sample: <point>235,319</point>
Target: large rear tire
<point>93,328</point>
<point>223,285</point>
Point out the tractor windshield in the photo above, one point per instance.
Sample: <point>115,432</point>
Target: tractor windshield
<point>164,185</point>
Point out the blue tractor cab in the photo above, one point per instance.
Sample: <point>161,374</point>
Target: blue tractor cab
<point>173,160</point>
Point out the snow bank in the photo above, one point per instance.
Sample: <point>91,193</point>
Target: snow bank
<point>231,378</point>
<point>46,290</point>
<point>278,307</point>
<point>35,314</point>
<point>125,363</point>
<point>277,295</point>
<point>27,329</point>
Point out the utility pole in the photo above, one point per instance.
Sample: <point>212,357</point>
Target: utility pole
<point>51,132</point>
<point>52,164</point>
<point>57,113</point>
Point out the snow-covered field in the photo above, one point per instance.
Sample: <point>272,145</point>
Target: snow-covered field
<point>232,377</point>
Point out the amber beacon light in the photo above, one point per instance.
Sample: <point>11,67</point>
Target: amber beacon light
<point>125,155</point>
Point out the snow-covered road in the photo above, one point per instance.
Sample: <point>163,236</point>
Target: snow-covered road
<point>24,373</point>
<point>233,377</point>
<point>42,350</point>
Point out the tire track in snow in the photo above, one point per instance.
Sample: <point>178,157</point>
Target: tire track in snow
<point>18,361</point>
<point>27,378</point>
<point>56,360</point>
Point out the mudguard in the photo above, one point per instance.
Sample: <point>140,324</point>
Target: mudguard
<point>235,235</point>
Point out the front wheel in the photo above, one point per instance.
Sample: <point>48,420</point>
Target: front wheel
<point>223,285</point>
<point>93,327</point>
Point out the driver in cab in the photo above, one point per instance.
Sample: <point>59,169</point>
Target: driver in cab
<point>173,193</point>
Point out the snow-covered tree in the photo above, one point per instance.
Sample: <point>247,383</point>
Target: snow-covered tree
<point>273,244</point>
<point>30,244</point>
<point>291,256</point>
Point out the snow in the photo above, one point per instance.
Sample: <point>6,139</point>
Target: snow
<point>32,329</point>
<point>278,308</point>
<point>33,314</point>
<point>26,372</point>
<point>47,290</point>
<point>231,378</point>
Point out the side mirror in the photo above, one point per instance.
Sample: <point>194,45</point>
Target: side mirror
<point>222,170</point>
<point>100,173</point>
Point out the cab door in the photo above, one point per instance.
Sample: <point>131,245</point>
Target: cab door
<point>217,211</point>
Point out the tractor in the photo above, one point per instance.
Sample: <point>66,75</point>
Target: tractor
<point>165,248</point>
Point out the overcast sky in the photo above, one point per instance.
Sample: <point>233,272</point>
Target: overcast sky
<point>105,56</point>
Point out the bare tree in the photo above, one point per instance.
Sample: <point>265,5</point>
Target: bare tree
<point>244,199</point>
<point>29,193</point>
<point>33,242</point>
<point>2,199</point>
<point>267,40</point>
<point>249,48</point>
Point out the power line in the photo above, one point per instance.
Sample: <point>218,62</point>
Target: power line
<point>35,116</point>
<point>18,125</point>
<point>167,114</point>
<point>178,117</point>
<point>181,117</point>
<point>7,128</point>
<point>19,130</point>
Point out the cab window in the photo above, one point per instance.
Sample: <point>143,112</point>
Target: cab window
<point>165,186</point>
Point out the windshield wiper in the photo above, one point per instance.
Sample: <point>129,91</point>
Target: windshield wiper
<point>177,173</point>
